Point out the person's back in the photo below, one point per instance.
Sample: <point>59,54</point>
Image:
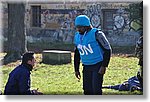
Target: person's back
<point>18,82</point>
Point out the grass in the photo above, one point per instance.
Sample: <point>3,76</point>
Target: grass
<point>60,79</point>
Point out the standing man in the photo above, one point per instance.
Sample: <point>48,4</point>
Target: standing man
<point>93,48</point>
<point>19,79</point>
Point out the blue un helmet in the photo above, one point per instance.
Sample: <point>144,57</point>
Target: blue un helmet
<point>82,20</point>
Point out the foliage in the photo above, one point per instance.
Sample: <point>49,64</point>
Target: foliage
<point>136,10</point>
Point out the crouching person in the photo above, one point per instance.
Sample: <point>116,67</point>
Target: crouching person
<point>19,79</point>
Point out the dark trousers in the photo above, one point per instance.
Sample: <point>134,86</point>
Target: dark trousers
<point>92,80</point>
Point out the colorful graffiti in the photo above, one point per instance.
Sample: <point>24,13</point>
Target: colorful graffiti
<point>94,12</point>
<point>122,22</point>
<point>119,21</point>
<point>61,21</point>
<point>58,24</point>
<point>136,25</point>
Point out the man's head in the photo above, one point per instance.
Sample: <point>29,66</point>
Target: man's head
<point>82,23</point>
<point>28,58</point>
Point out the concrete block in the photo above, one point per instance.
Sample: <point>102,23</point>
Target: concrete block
<point>56,57</point>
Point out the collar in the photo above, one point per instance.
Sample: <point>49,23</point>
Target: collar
<point>28,66</point>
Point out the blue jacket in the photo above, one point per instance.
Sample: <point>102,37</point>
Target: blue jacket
<point>19,81</point>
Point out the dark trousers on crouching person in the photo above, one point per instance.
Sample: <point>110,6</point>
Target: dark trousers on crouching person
<point>92,80</point>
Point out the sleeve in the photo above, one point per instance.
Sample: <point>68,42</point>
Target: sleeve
<point>105,45</point>
<point>24,83</point>
<point>76,60</point>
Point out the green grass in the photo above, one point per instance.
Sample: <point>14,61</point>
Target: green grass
<point>60,79</point>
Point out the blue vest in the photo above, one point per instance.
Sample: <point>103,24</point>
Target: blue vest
<point>89,49</point>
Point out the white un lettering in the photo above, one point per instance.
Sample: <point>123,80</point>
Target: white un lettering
<point>85,49</point>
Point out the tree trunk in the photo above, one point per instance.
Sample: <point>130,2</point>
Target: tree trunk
<point>16,44</point>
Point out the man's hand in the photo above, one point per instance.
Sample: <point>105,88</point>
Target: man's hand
<point>36,92</point>
<point>102,70</point>
<point>77,74</point>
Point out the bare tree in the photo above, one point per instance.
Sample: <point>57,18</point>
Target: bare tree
<point>16,44</point>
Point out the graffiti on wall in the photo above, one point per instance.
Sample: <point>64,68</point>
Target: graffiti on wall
<point>136,25</point>
<point>60,21</point>
<point>94,12</point>
<point>58,24</point>
<point>119,21</point>
<point>122,22</point>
